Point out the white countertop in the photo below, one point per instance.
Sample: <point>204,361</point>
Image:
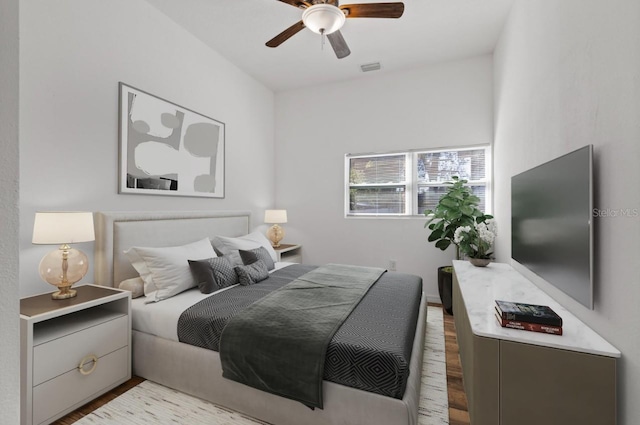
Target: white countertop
<point>481,286</point>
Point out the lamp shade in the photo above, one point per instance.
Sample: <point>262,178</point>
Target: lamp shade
<point>63,227</point>
<point>275,216</point>
<point>323,18</point>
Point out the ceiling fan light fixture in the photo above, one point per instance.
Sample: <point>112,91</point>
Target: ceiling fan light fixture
<point>323,18</point>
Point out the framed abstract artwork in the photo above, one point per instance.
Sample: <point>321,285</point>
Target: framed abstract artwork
<point>166,149</point>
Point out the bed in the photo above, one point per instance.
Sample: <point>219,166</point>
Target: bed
<point>198,371</point>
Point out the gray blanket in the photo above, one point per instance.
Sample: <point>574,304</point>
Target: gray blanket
<point>372,349</point>
<point>279,343</point>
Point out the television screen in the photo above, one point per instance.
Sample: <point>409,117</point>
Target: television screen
<point>551,222</point>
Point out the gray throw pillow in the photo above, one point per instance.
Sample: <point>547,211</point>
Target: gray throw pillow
<point>213,274</point>
<point>253,255</point>
<point>253,273</point>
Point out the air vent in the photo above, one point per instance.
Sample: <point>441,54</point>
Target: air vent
<point>370,67</point>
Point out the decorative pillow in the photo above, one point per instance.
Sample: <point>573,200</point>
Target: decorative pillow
<point>251,256</point>
<point>134,285</point>
<point>230,246</point>
<point>165,271</point>
<point>253,273</point>
<point>213,274</point>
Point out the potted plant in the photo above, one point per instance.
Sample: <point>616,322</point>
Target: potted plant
<point>458,207</point>
<point>476,241</point>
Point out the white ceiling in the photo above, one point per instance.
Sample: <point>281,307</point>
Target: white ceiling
<point>430,31</point>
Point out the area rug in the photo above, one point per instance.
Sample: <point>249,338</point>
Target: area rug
<point>150,403</point>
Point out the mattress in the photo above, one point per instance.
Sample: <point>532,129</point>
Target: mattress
<point>371,351</point>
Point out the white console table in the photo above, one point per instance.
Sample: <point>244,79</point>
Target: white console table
<point>516,377</point>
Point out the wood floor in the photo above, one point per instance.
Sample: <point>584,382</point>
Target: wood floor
<point>458,414</point>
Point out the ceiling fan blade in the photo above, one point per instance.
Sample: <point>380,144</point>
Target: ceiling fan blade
<point>339,45</point>
<point>285,35</point>
<point>297,3</point>
<point>374,10</point>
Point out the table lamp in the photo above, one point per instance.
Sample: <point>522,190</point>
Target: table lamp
<point>275,232</point>
<point>64,266</point>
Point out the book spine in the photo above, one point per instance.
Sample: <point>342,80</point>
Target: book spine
<point>551,321</point>
<point>533,327</point>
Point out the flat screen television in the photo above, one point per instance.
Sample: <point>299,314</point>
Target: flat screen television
<point>551,222</point>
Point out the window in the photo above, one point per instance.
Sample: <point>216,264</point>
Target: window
<point>377,184</point>
<point>407,183</point>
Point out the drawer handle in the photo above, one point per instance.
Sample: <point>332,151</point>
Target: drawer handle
<point>84,361</point>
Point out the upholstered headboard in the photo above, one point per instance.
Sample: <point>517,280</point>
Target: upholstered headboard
<point>118,231</point>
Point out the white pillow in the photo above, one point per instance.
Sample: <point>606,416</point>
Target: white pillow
<point>134,285</point>
<point>230,246</point>
<point>165,271</point>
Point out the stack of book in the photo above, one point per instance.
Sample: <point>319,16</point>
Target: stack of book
<point>528,317</point>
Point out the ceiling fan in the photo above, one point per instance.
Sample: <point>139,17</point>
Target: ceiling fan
<point>326,17</point>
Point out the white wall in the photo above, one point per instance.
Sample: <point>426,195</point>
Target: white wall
<point>443,105</point>
<point>73,54</point>
<point>567,74</point>
<point>9,211</point>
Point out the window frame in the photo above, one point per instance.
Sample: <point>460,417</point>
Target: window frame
<point>411,182</point>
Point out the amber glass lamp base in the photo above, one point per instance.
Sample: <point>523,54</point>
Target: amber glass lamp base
<point>62,268</point>
<point>275,235</point>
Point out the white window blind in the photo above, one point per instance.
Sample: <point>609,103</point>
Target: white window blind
<point>407,183</point>
<point>377,184</point>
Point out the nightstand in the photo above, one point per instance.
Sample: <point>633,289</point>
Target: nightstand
<point>291,253</point>
<point>72,350</point>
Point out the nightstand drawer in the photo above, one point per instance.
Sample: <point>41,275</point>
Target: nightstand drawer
<point>63,354</point>
<point>71,388</point>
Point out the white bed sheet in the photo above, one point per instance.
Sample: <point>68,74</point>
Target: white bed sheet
<point>161,318</point>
